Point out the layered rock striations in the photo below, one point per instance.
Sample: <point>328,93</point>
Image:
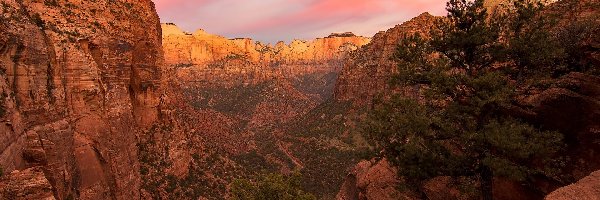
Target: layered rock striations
<point>201,56</point>
<point>78,80</point>
<point>201,48</point>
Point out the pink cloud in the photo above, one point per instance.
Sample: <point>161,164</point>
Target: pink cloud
<point>286,19</point>
<point>345,9</point>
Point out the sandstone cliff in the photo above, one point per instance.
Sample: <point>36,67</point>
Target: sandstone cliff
<point>201,48</point>
<point>78,79</point>
<point>216,60</point>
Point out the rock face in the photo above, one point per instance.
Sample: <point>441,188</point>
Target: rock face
<point>213,59</point>
<point>367,71</point>
<point>78,80</point>
<point>28,184</point>
<point>201,48</point>
<point>587,188</point>
<point>371,180</point>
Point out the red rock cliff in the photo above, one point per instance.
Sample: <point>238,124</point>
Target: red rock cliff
<point>201,48</point>
<point>78,80</point>
<point>214,59</point>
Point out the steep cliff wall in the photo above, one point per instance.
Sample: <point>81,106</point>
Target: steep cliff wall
<point>202,48</point>
<point>216,60</point>
<point>367,71</point>
<point>78,79</point>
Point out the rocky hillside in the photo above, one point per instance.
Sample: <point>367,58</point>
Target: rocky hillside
<point>368,70</point>
<point>366,75</point>
<point>78,81</point>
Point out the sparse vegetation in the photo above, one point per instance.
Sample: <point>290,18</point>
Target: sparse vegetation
<point>271,187</point>
<point>237,100</point>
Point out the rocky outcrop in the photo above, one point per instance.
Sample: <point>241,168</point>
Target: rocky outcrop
<point>27,184</point>
<point>587,188</point>
<point>78,80</point>
<point>367,71</point>
<point>371,180</point>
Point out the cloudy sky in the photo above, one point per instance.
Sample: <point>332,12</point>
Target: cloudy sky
<point>275,20</point>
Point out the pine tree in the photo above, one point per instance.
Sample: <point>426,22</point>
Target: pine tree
<point>462,128</point>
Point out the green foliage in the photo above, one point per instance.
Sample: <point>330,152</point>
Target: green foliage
<point>530,46</point>
<point>576,38</point>
<point>271,186</point>
<point>467,73</point>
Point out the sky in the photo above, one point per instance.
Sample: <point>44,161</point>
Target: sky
<point>283,20</point>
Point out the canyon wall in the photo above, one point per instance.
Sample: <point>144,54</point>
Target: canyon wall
<point>368,70</point>
<point>202,48</point>
<point>213,59</point>
<point>78,80</point>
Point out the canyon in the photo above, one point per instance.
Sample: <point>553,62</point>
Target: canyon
<point>99,100</point>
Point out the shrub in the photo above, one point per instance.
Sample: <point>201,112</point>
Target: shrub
<point>271,186</point>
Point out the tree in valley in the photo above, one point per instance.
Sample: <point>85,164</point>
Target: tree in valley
<point>468,73</point>
<point>271,187</point>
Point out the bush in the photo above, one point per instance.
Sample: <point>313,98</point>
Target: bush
<point>271,186</point>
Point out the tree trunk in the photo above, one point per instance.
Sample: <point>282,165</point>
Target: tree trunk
<point>486,176</point>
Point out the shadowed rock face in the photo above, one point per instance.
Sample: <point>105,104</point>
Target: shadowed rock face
<point>78,80</point>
